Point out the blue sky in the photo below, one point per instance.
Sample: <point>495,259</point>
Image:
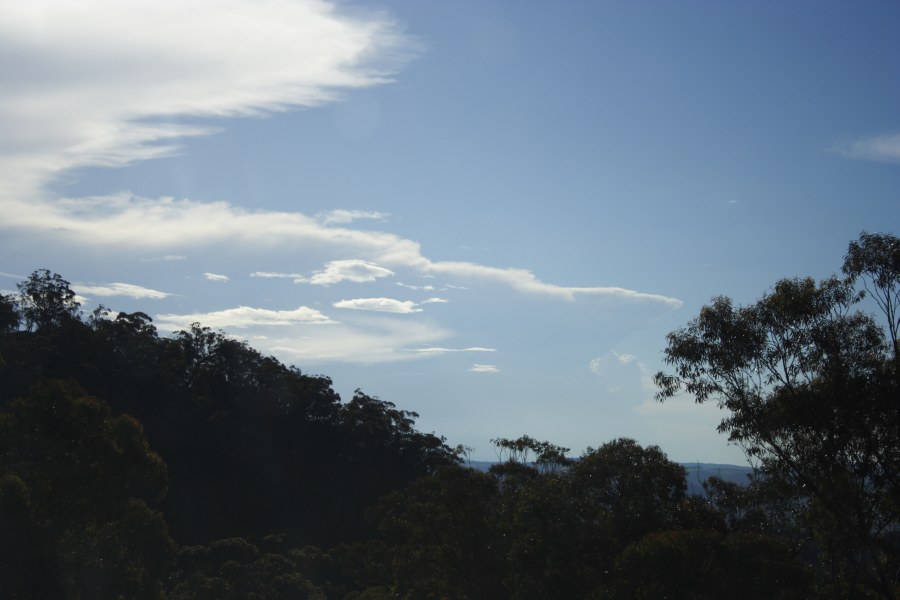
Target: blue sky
<point>487,212</point>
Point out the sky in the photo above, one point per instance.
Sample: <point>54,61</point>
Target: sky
<point>487,212</point>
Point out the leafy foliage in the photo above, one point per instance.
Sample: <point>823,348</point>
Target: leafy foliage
<point>102,537</point>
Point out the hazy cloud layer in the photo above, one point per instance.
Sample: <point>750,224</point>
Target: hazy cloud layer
<point>881,148</point>
<point>376,339</point>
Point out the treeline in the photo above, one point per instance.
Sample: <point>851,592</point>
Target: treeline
<point>193,467</point>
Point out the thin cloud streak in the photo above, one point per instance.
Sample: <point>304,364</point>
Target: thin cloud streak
<point>121,289</point>
<point>525,281</point>
<point>439,350</point>
<point>270,275</point>
<point>418,288</point>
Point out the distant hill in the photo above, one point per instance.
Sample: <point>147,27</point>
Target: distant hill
<point>697,473</point>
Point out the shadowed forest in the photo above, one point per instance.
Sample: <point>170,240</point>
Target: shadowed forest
<point>138,466</point>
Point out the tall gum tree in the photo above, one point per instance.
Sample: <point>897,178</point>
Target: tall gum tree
<point>809,387</point>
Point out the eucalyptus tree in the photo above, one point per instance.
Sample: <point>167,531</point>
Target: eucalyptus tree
<point>47,301</point>
<point>809,388</point>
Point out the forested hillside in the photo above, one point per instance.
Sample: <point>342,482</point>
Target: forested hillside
<point>193,467</point>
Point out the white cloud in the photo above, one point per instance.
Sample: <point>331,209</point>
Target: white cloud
<point>242,317</point>
<point>601,364</point>
<point>93,80</point>
<point>624,359</point>
<point>355,270</point>
<point>121,289</point>
<point>881,148</point>
<point>215,277</point>
<point>435,301</point>
<point>341,216</point>
<point>380,305</point>
<point>476,368</point>
<point>439,350</point>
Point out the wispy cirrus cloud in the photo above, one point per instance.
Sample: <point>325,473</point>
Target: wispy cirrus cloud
<point>216,277</point>
<point>524,280</point>
<point>477,368</point>
<point>243,317</point>
<point>121,289</point>
<point>881,148</point>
